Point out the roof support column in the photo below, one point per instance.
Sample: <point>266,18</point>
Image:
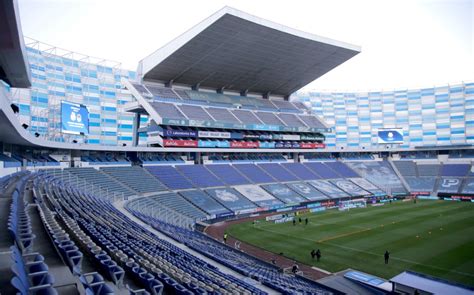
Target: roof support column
<point>136,126</point>
<point>196,86</point>
<point>169,84</point>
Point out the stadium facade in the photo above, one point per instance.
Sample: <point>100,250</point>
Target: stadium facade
<point>435,116</point>
<point>61,75</point>
<point>73,163</point>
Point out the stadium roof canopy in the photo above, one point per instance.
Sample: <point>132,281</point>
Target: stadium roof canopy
<point>14,67</point>
<point>233,50</point>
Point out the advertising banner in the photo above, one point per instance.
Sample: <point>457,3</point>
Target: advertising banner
<point>179,133</point>
<point>74,118</point>
<point>290,137</point>
<point>236,135</point>
<point>180,143</point>
<point>295,145</point>
<point>244,144</point>
<point>310,137</point>
<point>312,145</point>
<point>267,145</point>
<point>214,134</point>
<point>261,127</point>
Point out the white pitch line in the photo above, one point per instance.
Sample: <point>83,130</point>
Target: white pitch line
<point>375,254</point>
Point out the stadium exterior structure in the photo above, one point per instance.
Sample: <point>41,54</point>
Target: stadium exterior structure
<point>431,117</point>
<point>440,116</point>
<point>89,207</point>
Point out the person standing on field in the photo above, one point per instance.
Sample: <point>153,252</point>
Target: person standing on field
<point>386,256</point>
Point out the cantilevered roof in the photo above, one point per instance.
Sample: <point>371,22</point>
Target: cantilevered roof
<point>233,50</point>
<point>14,67</point>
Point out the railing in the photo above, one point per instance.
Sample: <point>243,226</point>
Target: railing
<point>85,186</point>
<point>162,213</point>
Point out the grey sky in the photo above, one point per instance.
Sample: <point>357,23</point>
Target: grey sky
<point>405,44</point>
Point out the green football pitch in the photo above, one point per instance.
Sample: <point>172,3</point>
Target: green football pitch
<point>431,237</point>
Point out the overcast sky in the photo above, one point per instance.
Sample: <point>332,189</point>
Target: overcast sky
<point>405,44</point>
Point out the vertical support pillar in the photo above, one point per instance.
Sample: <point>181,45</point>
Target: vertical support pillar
<point>136,126</point>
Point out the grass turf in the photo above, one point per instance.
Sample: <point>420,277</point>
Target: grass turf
<point>431,237</point>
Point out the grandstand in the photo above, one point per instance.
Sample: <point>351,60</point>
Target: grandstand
<point>135,198</point>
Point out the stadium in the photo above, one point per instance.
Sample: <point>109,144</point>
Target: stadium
<point>212,170</point>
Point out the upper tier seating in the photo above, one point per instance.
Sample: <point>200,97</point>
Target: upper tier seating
<point>312,121</point>
<point>136,178</point>
<point>195,112</point>
<point>159,159</point>
<point>406,168</point>
<point>285,105</point>
<point>278,172</point>
<point>301,171</point>
<point>420,184</point>
<point>163,92</point>
<point>223,115</point>
<point>167,110</point>
<point>141,89</point>
<point>247,117</point>
<point>291,120</point>
<point>254,173</point>
<point>199,175</point>
<point>228,174</point>
<point>209,98</point>
<point>102,180</point>
<point>105,159</point>
<point>181,93</point>
<point>300,105</point>
<point>269,118</point>
<point>428,169</point>
<point>341,169</point>
<point>322,170</point>
<point>170,177</point>
<point>455,169</point>
<point>204,202</point>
